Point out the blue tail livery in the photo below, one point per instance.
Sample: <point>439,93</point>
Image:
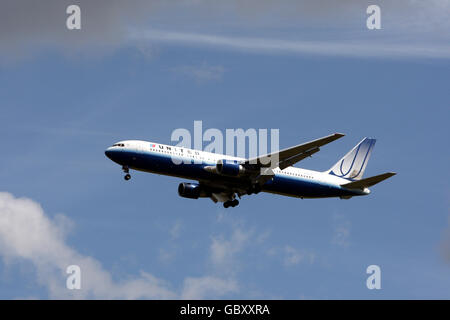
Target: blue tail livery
<point>353,164</point>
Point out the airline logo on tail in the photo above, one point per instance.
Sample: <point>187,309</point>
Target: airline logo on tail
<point>353,164</point>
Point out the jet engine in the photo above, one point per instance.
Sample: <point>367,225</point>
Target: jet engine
<point>229,168</point>
<point>191,190</point>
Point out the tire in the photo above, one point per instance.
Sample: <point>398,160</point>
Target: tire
<point>127,177</point>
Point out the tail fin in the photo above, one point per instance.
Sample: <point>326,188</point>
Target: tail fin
<point>353,164</point>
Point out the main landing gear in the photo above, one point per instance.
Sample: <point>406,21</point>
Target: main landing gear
<point>126,170</point>
<point>256,188</point>
<point>231,203</point>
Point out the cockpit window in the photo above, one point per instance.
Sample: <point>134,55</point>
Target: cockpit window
<point>118,145</point>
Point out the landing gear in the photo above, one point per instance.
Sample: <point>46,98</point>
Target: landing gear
<point>126,170</point>
<point>256,188</point>
<point>231,203</point>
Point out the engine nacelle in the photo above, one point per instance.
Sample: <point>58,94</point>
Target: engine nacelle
<point>191,190</point>
<point>229,168</point>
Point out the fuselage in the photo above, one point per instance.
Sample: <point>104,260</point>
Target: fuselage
<point>194,164</point>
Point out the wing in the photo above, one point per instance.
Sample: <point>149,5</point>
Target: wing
<point>288,157</point>
<point>260,168</point>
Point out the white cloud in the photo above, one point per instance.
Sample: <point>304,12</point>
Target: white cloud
<point>207,287</point>
<point>202,72</point>
<point>354,48</point>
<point>291,256</point>
<point>176,230</point>
<point>28,234</point>
<point>166,255</point>
<point>294,256</point>
<point>106,25</point>
<point>341,235</point>
<point>223,251</point>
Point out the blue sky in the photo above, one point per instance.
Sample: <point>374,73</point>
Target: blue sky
<point>63,104</point>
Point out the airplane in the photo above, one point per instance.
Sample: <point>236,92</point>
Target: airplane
<point>224,178</point>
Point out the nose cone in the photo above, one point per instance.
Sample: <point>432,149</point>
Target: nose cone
<point>112,153</point>
<point>108,153</point>
<point>116,154</point>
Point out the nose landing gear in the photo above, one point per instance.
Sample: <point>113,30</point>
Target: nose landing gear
<point>126,170</point>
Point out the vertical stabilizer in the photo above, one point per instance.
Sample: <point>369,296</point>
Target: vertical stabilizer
<point>353,164</point>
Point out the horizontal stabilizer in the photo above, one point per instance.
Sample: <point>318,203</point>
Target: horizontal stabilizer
<point>368,182</point>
